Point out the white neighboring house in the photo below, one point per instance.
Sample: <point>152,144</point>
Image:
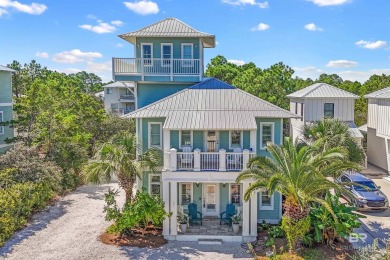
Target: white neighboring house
<point>378,128</point>
<point>319,101</point>
<point>119,98</point>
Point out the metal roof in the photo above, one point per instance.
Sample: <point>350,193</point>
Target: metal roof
<point>354,130</point>
<point>322,90</point>
<point>170,27</point>
<point>119,84</point>
<point>382,93</point>
<point>3,68</point>
<point>211,104</point>
<point>363,129</point>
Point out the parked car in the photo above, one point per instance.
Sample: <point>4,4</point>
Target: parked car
<point>366,195</point>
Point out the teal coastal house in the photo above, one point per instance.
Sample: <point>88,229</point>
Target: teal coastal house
<point>6,113</point>
<point>206,128</point>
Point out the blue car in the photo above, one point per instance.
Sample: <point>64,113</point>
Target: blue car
<point>366,195</point>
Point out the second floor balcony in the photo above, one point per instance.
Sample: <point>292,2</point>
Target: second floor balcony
<point>141,69</point>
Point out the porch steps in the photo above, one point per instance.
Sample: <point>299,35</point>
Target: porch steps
<point>206,241</point>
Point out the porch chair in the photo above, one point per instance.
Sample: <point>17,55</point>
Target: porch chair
<point>234,159</point>
<point>186,158</point>
<point>193,214</point>
<point>230,211</point>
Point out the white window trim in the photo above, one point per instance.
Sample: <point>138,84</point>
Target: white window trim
<point>150,183</point>
<point>230,192</point>
<point>182,54</point>
<point>1,120</point>
<point>261,133</point>
<point>151,53</point>
<point>261,207</point>
<point>162,54</point>
<point>192,140</point>
<point>149,132</point>
<point>180,192</point>
<point>241,139</point>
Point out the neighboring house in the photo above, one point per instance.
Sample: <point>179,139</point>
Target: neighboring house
<point>319,101</point>
<point>207,130</point>
<point>378,128</point>
<point>6,113</point>
<point>119,98</point>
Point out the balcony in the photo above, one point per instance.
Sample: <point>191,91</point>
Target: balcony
<point>126,98</point>
<point>206,161</point>
<point>137,69</point>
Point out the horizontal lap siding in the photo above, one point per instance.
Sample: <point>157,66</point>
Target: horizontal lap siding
<point>5,87</point>
<point>149,93</point>
<point>270,214</point>
<point>8,131</point>
<point>198,137</point>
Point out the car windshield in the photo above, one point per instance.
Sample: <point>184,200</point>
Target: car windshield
<point>369,184</point>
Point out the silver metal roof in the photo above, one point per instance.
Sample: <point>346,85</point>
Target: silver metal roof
<point>354,130</point>
<point>119,84</point>
<point>3,68</point>
<point>382,93</point>
<point>363,129</point>
<point>220,107</point>
<point>322,90</point>
<point>170,27</point>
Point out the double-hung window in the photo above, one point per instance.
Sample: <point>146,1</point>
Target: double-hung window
<point>1,120</point>
<point>235,139</point>
<point>185,138</point>
<point>266,201</point>
<point>187,54</point>
<point>147,53</point>
<point>155,185</point>
<point>329,110</point>
<point>186,193</point>
<point>155,135</point>
<point>266,134</point>
<point>235,194</point>
<point>109,90</point>
<point>166,54</point>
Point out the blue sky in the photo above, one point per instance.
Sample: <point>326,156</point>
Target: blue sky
<point>348,37</point>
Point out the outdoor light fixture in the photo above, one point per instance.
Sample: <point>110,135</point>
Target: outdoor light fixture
<point>224,185</point>
<point>197,184</point>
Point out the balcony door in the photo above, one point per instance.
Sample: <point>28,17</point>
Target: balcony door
<point>210,199</point>
<point>212,141</point>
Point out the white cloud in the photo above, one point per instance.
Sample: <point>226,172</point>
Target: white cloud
<point>237,62</point>
<point>44,55</point>
<point>119,45</point>
<point>371,45</point>
<point>91,16</point>
<point>329,2</point>
<point>32,8</point>
<point>312,27</point>
<point>261,27</point>
<point>97,67</point>
<point>308,72</point>
<point>102,27</point>
<point>75,56</point>
<point>69,70</point>
<point>143,7</point>
<point>246,2</point>
<point>117,23</point>
<point>341,64</point>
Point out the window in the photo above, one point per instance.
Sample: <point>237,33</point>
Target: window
<point>114,106</point>
<point>266,201</point>
<point>186,193</point>
<point>166,54</point>
<point>329,110</point>
<point>109,91</point>
<point>301,111</point>
<point>186,54</point>
<point>185,138</point>
<point>147,53</point>
<point>1,120</point>
<point>235,194</point>
<point>296,108</point>
<point>155,135</point>
<point>155,185</point>
<point>266,134</point>
<point>235,139</point>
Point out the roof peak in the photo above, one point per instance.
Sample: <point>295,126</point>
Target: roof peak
<point>321,89</point>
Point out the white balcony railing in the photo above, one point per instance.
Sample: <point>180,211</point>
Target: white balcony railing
<point>156,67</point>
<point>126,97</point>
<point>205,161</point>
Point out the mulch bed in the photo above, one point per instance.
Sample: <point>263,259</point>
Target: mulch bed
<point>152,238</point>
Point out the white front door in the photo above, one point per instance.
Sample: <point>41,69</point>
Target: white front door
<point>210,199</point>
<point>212,141</point>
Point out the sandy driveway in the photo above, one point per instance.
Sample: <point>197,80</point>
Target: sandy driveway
<point>69,230</point>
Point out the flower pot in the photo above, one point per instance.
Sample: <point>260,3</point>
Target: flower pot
<point>236,228</point>
<point>183,227</point>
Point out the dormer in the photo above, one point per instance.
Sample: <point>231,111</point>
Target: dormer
<point>168,50</point>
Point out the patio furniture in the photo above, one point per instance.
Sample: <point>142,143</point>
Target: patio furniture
<point>234,160</point>
<point>194,214</point>
<point>226,216</point>
<point>187,157</point>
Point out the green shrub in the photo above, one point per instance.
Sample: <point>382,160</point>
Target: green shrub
<point>295,230</point>
<point>276,232</point>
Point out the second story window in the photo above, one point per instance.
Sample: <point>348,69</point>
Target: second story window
<point>166,54</point>
<point>266,134</point>
<point>302,111</point>
<point>187,54</point>
<point>155,135</point>
<point>147,54</point>
<point>185,138</point>
<point>109,90</point>
<point>235,139</point>
<point>329,110</point>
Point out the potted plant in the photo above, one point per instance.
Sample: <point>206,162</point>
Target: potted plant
<point>236,223</point>
<point>183,220</point>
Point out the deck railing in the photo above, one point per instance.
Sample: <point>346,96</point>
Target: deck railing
<point>126,97</point>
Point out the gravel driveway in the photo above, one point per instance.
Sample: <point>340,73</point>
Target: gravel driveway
<point>69,230</point>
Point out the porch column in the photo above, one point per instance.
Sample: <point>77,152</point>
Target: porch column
<point>197,160</point>
<point>173,159</point>
<point>245,158</point>
<point>253,140</point>
<point>222,160</point>
<point>165,198</point>
<point>174,208</point>
<point>254,208</point>
<point>245,213</point>
<point>166,143</point>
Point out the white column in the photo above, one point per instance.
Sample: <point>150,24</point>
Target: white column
<point>245,213</point>
<point>173,159</point>
<point>245,158</point>
<point>222,160</point>
<point>253,140</point>
<point>166,143</point>
<point>254,208</point>
<point>197,160</point>
<point>174,208</point>
<point>165,198</point>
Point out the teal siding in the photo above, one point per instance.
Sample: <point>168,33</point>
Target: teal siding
<point>8,131</point>
<point>246,140</point>
<point>224,140</point>
<point>223,197</point>
<point>145,179</point>
<point>5,87</point>
<point>149,93</point>
<point>145,131</point>
<point>174,136</point>
<point>197,195</point>
<point>198,140</point>
<point>5,148</point>
<point>270,214</point>
<point>277,133</point>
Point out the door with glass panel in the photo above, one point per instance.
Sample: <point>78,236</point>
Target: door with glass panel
<point>210,199</point>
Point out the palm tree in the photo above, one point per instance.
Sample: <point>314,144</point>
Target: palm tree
<point>331,133</point>
<point>118,157</point>
<point>297,172</point>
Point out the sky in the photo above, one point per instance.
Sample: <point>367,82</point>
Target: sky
<point>347,37</point>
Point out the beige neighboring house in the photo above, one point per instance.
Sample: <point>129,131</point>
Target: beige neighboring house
<point>119,98</point>
<point>319,101</point>
<point>378,128</point>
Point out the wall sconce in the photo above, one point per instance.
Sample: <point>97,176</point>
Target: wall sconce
<point>224,185</point>
<point>197,184</point>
